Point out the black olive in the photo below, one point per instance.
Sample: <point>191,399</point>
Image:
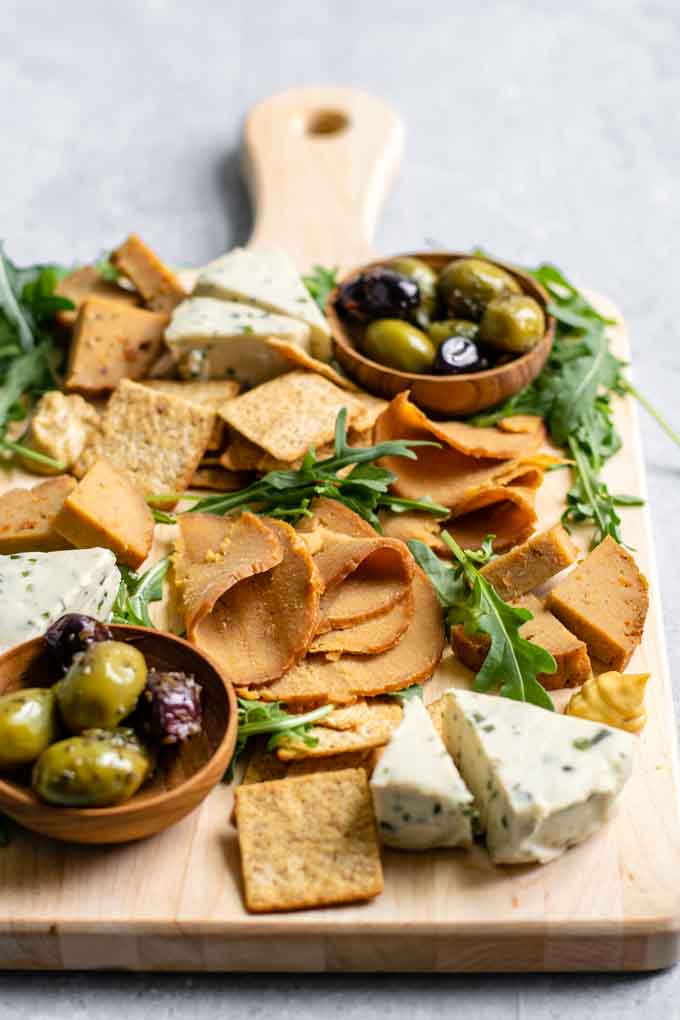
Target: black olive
<point>71,634</point>
<point>378,294</point>
<point>169,710</point>
<point>457,354</point>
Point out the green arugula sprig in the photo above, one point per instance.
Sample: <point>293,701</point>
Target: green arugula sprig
<point>259,718</point>
<point>573,395</point>
<point>136,591</point>
<point>512,663</point>
<point>28,304</point>
<point>288,494</point>
<point>321,283</point>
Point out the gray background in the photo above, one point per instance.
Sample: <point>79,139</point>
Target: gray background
<point>536,129</point>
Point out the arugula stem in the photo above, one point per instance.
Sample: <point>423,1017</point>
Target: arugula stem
<point>655,413</point>
<point>39,458</point>
<point>291,723</point>
<point>583,470</point>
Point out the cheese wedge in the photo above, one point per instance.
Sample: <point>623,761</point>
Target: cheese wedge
<point>224,338</point>
<point>419,798</point>
<point>36,588</point>
<point>266,278</point>
<point>542,781</point>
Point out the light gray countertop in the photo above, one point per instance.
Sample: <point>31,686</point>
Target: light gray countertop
<point>537,130</point>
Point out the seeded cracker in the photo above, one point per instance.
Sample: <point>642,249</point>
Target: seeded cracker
<point>156,438</point>
<point>308,842</point>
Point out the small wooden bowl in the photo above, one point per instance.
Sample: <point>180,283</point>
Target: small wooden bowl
<point>184,776</point>
<point>444,395</point>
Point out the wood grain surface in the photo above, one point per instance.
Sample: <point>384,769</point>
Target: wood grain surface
<point>174,902</point>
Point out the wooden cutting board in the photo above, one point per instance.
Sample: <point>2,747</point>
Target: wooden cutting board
<point>320,162</point>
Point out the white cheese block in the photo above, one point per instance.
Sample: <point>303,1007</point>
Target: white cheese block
<point>228,339</point>
<point>542,781</point>
<point>266,278</point>
<point>37,588</point>
<point>420,801</point>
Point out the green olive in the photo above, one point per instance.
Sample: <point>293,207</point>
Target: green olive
<point>440,331</point>
<point>399,345</point>
<point>97,768</point>
<point>513,323</point>
<point>467,285</point>
<point>29,722</point>
<point>426,279</point>
<point>102,686</point>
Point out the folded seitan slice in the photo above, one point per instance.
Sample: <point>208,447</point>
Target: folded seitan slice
<point>370,637</point>
<point>112,341</point>
<point>412,660</point>
<point>87,282</point>
<point>106,509</point>
<point>254,613</point>
<point>569,652</point>
<point>604,601</point>
<point>531,564</point>
<point>27,517</point>
<point>157,284</point>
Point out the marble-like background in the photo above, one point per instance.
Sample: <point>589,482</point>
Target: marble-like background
<point>536,129</point>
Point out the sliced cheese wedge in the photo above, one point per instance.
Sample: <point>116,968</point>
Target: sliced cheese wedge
<point>266,278</point>
<point>419,798</point>
<point>37,588</point>
<point>224,338</point>
<point>542,781</point>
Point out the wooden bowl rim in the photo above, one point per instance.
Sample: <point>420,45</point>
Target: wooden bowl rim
<point>25,798</point>
<point>341,337</point>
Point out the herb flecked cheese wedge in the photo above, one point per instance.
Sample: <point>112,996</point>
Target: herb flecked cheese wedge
<point>226,338</point>
<point>542,781</point>
<point>37,588</point>
<point>266,278</point>
<point>419,799</point>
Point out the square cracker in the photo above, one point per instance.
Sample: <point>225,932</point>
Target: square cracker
<point>308,842</point>
<point>156,438</point>
<point>291,413</point>
<point>211,393</point>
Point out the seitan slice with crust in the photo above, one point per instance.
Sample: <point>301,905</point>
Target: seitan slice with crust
<point>604,601</point>
<point>569,652</point>
<point>531,564</point>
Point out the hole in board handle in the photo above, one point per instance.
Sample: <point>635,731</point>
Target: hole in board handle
<point>322,123</point>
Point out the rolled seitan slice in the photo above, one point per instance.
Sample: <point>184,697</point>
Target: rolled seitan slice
<point>569,652</point>
<point>531,564</point>
<point>604,601</point>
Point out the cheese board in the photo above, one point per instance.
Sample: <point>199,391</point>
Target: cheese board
<point>319,163</point>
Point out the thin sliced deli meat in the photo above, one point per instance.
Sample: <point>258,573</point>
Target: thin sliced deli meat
<point>255,617</point>
<point>412,660</point>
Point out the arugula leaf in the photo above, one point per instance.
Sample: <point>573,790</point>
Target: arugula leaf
<point>408,693</point>
<point>136,591</point>
<point>256,718</point>
<point>107,270</point>
<point>512,663</point>
<point>320,284</point>
<point>288,494</point>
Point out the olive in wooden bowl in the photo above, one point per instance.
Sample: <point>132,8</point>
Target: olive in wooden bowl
<point>462,333</point>
<point>161,781</point>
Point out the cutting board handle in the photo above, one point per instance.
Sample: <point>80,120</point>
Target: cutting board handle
<point>319,163</point>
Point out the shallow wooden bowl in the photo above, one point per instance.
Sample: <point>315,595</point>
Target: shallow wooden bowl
<point>448,395</point>
<point>184,776</point>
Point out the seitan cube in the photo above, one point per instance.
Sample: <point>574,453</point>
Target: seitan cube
<point>108,510</point>
<point>112,342</point>
<point>85,283</point>
<point>531,564</point>
<point>569,652</point>
<point>157,284</point>
<point>604,601</point>
<point>27,517</point>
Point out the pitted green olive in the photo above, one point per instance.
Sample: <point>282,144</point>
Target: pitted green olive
<point>102,686</point>
<point>467,285</point>
<point>29,722</point>
<point>98,768</point>
<point>399,345</point>
<point>513,323</point>
<point>426,279</point>
<point>440,331</point>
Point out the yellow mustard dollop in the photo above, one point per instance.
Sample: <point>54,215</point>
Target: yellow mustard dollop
<point>617,699</point>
